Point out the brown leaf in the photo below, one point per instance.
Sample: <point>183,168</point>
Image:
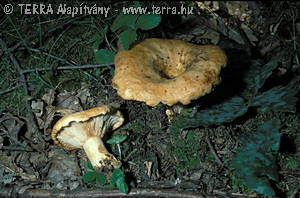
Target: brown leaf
<point>83,93</point>
<point>49,97</point>
<point>69,100</point>
<point>63,167</point>
<point>11,125</point>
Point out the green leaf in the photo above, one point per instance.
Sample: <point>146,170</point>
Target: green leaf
<point>127,38</point>
<point>118,23</point>
<point>251,77</point>
<point>266,137</point>
<point>112,71</point>
<point>104,56</point>
<point>98,38</point>
<point>121,185</point>
<point>100,178</point>
<point>101,70</point>
<point>257,74</point>
<point>116,174</point>
<point>109,186</point>
<point>89,166</point>
<point>97,43</point>
<point>136,4</point>
<point>89,176</point>
<point>94,38</point>
<point>118,179</point>
<point>147,22</point>
<point>123,20</point>
<point>218,114</point>
<point>117,139</point>
<point>277,99</point>
<point>254,164</point>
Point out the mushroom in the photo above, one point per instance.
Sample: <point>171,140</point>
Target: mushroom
<point>85,130</point>
<point>167,71</point>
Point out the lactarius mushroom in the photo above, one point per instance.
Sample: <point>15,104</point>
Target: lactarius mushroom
<point>167,71</point>
<point>85,130</point>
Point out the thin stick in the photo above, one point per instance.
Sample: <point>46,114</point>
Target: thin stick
<point>225,194</point>
<point>66,68</point>
<point>32,36</point>
<point>2,92</point>
<point>213,151</point>
<point>289,172</point>
<point>72,66</point>
<point>16,148</point>
<point>50,55</point>
<point>107,193</point>
<point>25,87</point>
<point>86,73</point>
<point>295,192</point>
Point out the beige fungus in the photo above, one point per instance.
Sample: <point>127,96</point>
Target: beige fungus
<point>167,71</point>
<point>85,130</point>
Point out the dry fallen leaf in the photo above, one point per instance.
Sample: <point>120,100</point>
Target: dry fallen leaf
<point>249,33</point>
<point>83,93</point>
<point>37,107</point>
<point>63,170</point>
<point>11,126</point>
<point>199,30</point>
<point>209,6</point>
<point>68,100</point>
<point>49,97</point>
<point>44,110</point>
<point>240,9</point>
<point>8,171</point>
<point>211,32</point>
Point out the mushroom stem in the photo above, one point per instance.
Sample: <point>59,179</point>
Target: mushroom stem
<point>98,155</point>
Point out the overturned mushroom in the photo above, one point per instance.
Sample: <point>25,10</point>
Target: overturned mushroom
<point>167,71</point>
<point>85,130</point>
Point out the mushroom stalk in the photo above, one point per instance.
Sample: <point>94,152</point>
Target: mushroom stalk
<point>97,153</point>
<point>85,130</point>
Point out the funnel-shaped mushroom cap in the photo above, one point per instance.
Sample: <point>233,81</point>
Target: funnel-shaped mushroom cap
<point>85,130</point>
<point>167,71</point>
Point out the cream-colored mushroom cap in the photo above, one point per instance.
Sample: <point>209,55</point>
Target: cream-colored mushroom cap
<point>167,71</point>
<point>85,130</point>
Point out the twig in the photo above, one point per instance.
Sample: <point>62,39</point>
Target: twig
<point>72,66</point>
<point>294,37</point>
<point>86,73</point>
<point>213,151</point>
<point>78,169</point>
<point>295,192</point>
<point>16,148</point>
<point>218,192</point>
<point>70,47</point>
<point>10,192</point>
<point>7,168</point>
<point>253,5</point>
<point>9,89</point>
<point>112,48</point>
<point>35,33</point>
<point>289,172</point>
<point>23,81</point>
<point>66,68</point>
<point>47,54</point>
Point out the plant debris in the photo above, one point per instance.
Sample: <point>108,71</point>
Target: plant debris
<point>254,163</point>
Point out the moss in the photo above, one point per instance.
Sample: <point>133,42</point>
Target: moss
<point>187,150</point>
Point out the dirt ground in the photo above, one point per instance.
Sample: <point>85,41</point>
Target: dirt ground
<point>49,62</point>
